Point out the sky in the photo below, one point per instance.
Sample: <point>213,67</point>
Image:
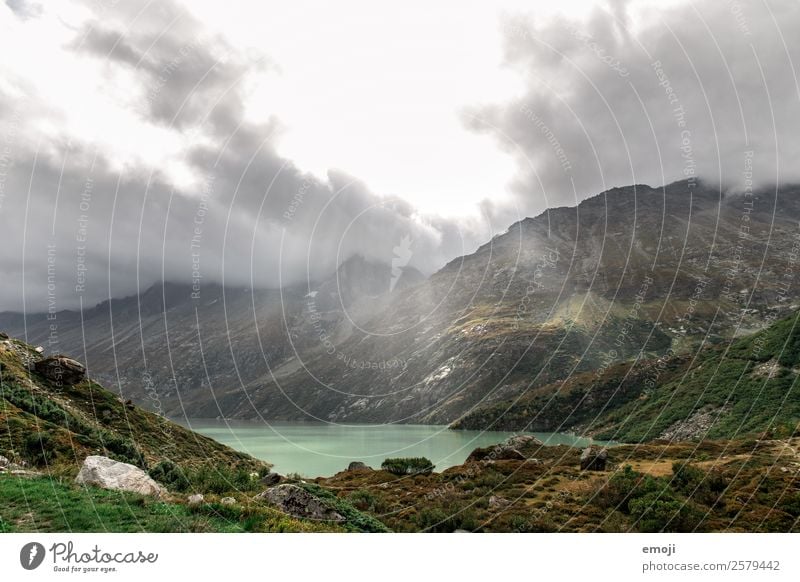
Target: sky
<point>262,144</point>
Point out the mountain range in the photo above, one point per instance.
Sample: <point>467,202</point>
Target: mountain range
<point>634,274</point>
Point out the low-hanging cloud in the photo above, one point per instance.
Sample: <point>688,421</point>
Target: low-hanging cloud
<point>80,227</point>
<point>706,89</point>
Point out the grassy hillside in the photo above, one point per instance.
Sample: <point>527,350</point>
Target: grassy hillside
<point>745,387</point>
<point>56,426</point>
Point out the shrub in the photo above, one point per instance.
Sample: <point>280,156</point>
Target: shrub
<point>123,449</point>
<point>662,512</point>
<point>626,486</point>
<point>408,466</point>
<point>701,486</point>
<point>170,474</point>
<point>39,446</point>
<point>363,500</point>
<point>446,518</point>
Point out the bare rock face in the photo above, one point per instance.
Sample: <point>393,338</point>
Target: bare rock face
<point>594,459</point>
<point>299,503</point>
<point>110,474</point>
<point>61,369</point>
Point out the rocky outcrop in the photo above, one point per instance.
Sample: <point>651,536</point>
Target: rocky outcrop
<point>61,369</point>
<point>298,502</point>
<point>271,479</point>
<point>516,448</point>
<point>110,474</point>
<point>594,458</point>
<point>357,466</point>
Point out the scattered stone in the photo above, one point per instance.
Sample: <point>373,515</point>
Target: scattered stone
<point>38,349</point>
<point>299,503</point>
<point>496,453</point>
<point>496,502</point>
<point>61,369</point>
<point>196,499</point>
<point>109,474</point>
<point>271,479</point>
<point>357,466</point>
<point>227,501</point>
<point>594,458</point>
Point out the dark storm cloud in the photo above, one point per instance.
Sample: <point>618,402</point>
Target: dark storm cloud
<point>699,91</point>
<point>85,230</point>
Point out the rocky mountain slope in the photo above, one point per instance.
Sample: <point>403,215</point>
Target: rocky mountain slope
<point>749,385</point>
<point>634,271</point>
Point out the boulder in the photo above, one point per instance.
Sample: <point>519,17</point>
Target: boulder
<point>496,503</point>
<point>227,501</point>
<point>4,462</point>
<point>594,458</point>
<point>522,441</point>
<point>271,479</point>
<point>110,474</point>
<point>61,369</point>
<point>496,453</point>
<point>357,466</point>
<point>299,503</point>
<point>196,499</point>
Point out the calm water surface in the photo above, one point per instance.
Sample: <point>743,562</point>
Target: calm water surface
<point>321,450</point>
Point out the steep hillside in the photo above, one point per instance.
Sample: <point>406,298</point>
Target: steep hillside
<point>748,386</point>
<point>48,422</point>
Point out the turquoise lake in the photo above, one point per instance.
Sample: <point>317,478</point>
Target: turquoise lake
<point>321,449</point>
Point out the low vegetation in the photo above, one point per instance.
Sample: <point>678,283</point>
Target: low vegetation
<point>408,466</point>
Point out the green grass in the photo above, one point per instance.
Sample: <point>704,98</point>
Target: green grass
<point>44,504</point>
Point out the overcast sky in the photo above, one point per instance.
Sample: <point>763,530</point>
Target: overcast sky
<point>262,143</point>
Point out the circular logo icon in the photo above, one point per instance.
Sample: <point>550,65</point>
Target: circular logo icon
<point>31,555</point>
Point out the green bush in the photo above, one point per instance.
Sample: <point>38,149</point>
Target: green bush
<point>363,500</point>
<point>221,479</point>
<point>39,446</point>
<point>446,518</point>
<point>408,466</point>
<point>168,473</point>
<point>662,512</point>
<point>695,483</point>
<point>626,486</point>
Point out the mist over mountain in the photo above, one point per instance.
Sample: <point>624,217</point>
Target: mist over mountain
<point>631,272</point>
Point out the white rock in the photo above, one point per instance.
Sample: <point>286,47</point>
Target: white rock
<point>3,461</point>
<point>227,501</point>
<point>110,474</point>
<point>196,499</point>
